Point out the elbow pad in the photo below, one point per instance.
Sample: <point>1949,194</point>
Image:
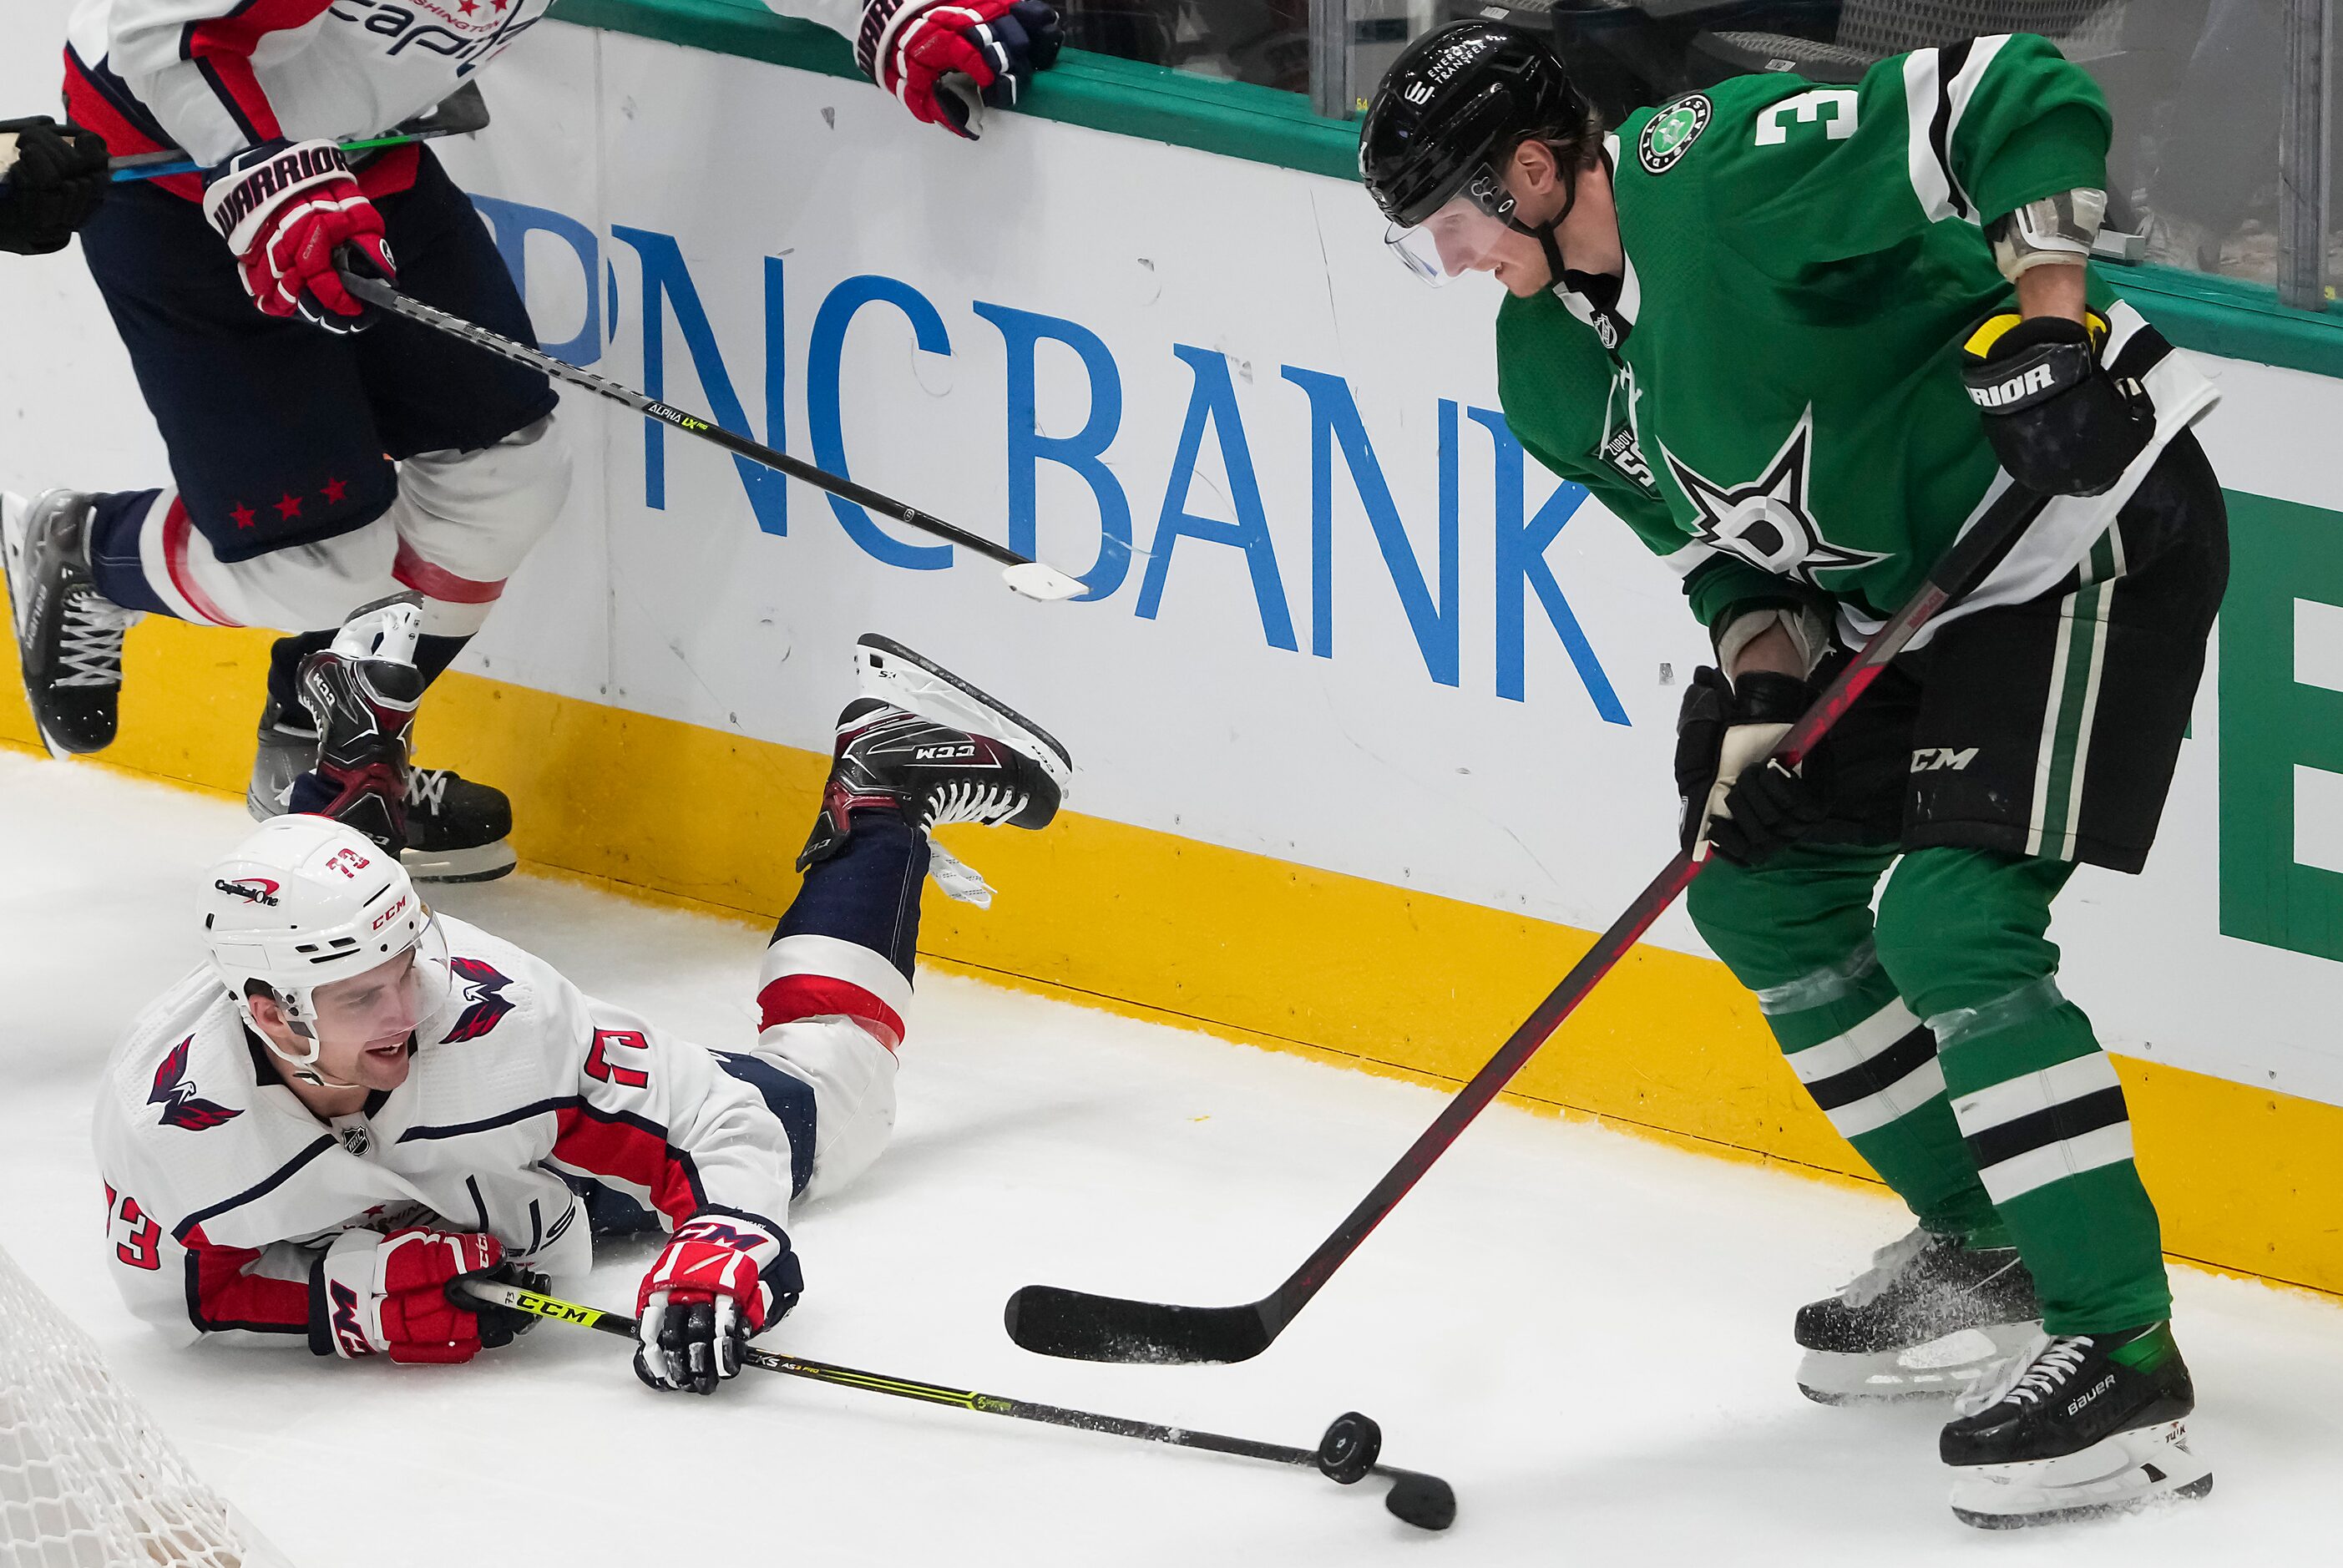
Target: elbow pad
<point>2057,230</point>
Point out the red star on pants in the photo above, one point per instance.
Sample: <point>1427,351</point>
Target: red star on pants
<point>289,508</point>
<point>335,490</point>
<point>243,516</point>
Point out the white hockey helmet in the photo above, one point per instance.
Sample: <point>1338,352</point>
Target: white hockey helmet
<point>306,901</point>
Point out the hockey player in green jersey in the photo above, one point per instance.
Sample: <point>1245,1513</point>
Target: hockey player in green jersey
<point>1798,339</point>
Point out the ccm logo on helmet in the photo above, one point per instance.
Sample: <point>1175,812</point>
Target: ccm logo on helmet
<point>2037,379</point>
<point>252,889</point>
<point>387,915</point>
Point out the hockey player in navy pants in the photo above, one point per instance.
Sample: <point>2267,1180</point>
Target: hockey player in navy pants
<point>316,464</point>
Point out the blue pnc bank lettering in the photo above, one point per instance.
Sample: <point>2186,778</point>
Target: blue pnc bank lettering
<point>1211,529</point>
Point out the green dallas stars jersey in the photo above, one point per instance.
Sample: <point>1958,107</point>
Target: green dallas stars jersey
<point>1784,409</point>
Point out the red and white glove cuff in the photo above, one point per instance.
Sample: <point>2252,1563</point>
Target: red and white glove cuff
<point>386,1296</point>
<point>714,1258</point>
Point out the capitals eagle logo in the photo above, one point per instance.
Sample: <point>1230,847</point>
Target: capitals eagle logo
<point>1766,522</point>
<point>483,996</point>
<point>181,1107</point>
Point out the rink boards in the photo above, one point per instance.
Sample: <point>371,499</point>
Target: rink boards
<point>1373,720</point>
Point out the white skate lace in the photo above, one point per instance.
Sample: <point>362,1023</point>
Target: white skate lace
<point>428,788</point>
<point>2029,1376</point>
<point>89,639</point>
<point>1886,1265</point>
<point>966,801</point>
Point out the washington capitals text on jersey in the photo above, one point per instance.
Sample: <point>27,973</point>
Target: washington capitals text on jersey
<point>181,1105</point>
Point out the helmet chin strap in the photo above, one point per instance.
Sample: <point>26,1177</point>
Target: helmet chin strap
<point>304,1067</point>
<point>1543,233</point>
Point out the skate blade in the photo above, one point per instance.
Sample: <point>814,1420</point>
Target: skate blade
<point>2119,1473</point>
<point>481,863</point>
<point>895,675</point>
<point>1941,1368</point>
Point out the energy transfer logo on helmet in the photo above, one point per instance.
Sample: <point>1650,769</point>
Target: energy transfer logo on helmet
<point>1671,131</point>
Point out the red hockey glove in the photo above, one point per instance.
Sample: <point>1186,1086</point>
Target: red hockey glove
<point>914,49</point>
<point>704,1297</point>
<point>387,1295</point>
<point>289,210</point>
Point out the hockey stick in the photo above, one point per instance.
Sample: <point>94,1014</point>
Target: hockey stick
<point>462,113</point>
<point>1346,1453</point>
<point>1029,577</point>
<point>1057,1321</point>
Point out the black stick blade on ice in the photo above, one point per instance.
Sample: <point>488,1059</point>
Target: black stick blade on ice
<point>1075,1325</point>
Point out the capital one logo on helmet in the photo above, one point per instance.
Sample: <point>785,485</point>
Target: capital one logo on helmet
<point>1671,132</point>
<point>251,890</point>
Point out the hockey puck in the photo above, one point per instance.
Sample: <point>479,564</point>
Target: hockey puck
<point>1350,1448</point>
<point>1423,1500</point>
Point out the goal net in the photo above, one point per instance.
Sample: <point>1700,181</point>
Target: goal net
<point>87,1481</point>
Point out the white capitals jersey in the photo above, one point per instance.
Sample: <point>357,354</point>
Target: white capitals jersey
<point>215,76</point>
<point>223,1190</point>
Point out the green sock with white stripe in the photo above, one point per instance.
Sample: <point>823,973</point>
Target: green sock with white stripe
<point>1872,1069</point>
<point>2044,1118</point>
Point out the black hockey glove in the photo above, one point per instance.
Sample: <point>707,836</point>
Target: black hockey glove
<point>55,181</point>
<point>499,1326</point>
<point>1733,800</point>
<point>2059,423</point>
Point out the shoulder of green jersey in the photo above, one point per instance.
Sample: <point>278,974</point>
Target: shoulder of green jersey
<point>1671,130</point>
<point>1939,86</point>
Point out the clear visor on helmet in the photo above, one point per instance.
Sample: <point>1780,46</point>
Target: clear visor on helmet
<point>383,1002</point>
<point>1459,237</point>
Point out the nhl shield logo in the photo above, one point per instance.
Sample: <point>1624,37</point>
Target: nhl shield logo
<point>1671,131</point>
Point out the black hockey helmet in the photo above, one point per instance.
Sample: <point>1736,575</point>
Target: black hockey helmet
<point>1451,107</point>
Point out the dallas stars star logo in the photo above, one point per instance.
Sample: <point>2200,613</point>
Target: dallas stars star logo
<point>1766,522</point>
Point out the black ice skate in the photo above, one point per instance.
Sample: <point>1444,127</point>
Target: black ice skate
<point>452,829</point>
<point>1928,1319</point>
<point>68,635</point>
<point>2076,1426</point>
<point>361,694</point>
<point>923,741</point>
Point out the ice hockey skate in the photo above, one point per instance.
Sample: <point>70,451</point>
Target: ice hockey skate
<point>1927,1320</point>
<point>940,750</point>
<point>2075,1426</point>
<point>68,635</point>
<point>360,695</point>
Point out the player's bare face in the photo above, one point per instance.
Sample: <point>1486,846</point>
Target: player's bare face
<point>364,1023</point>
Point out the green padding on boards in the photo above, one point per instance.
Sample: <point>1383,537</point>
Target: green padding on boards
<point>1235,119</point>
<point>2234,318</point>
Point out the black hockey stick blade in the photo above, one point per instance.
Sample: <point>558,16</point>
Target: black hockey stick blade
<point>1075,1325</point>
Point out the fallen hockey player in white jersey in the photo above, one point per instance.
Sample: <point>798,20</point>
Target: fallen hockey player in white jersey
<point>357,1100</point>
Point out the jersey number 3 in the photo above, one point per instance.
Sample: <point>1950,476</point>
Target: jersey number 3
<point>133,1235</point>
<point>1834,107</point>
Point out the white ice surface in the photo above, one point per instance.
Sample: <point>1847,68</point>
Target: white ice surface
<point>1588,1334</point>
